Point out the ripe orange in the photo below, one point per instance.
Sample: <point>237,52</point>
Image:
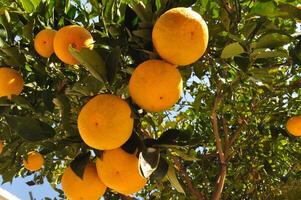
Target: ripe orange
<point>1,146</point>
<point>43,42</point>
<point>34,161</point>
<point>119,171</point>
<point>88,188</point>
<point>293,125</point>
<point>73,35</point>
<point>180,36</point>
<point>11,82</point>
<point>105,122</point>
<point>155,85</point>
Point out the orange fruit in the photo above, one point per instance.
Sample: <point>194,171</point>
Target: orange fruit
<point>34,161</point>
<point>1,146</point>
<point>155,85</point>
<point>293,125</point>
<point>11,82</point>
<point>76,36</point>
<point>119,171</point>
<point>180,36</point>
<point>105,122</point>
<point>43,42</point>
<point>88,188</point>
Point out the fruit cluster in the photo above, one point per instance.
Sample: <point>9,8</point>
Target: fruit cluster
<point>180,37</point>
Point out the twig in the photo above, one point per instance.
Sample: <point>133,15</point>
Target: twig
<point>191,188</point>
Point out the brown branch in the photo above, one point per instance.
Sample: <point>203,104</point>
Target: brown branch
<point>214,122</point>
<point>226,132</point>
<point>222,175</point>
<point>184,174</point>
<point>227,6</point>
<point>124,197</point>
<point>219,186</point>
<point>209,155</point>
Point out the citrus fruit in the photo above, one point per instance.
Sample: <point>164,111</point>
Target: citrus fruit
<point>119,171</point>
<point>1,146</point>
<point>11,82</point>
<point>105,122</point>
<point>293,125</point>
<point>89,187</point>
<point>72,35</point>
<point>43,42</point>
<point>180,36</point>
<point>155,85</point>
<point>34,161</point>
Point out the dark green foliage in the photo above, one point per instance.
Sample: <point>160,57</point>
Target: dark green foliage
<point>253,62</point>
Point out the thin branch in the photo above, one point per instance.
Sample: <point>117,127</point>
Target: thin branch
<point>226,132</point>
<point>124,197</point>
<point>223,171</point>
<point>227,6</point>
<point>194,191</point>
<point>214,122</point>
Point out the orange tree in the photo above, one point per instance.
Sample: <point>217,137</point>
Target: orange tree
<point>226,137</point>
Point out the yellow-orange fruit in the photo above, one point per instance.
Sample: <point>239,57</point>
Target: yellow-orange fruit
<point>180,36</point>
<point>155,85</point>
<point>11,82</point>
<point>1,146</point>
<point>76,36</point>
<point>119,171</point>
<point>34,161</point>
<point>88,188</point>
<point>293,125</point>
<point>43,42</point>
<point>105,122</point>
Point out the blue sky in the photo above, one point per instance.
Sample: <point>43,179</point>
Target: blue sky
<point>20,189</point>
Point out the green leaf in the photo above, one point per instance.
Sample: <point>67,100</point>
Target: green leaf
<point>35,3</point>
<point>79,164</point>
<point>266,53</point>
<point>172,177</point>
<point>28,30</point>
<point>22,102</point>
<point>169,137</point>
<point>113,63</point>
<point>27,5</point>
<point>148,161</point>
<point>92,61</point>
<point>272,40</point>
<point>161,169</point>
<point>63,102</point>
<point>30,129</point>
<point>13,57</point>
<point>232,50</point>
<point>184,155</point>
<point>132,144</point>
<point>143,33</point>
<point>265,8</point>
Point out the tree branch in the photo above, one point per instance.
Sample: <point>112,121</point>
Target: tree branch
<point>222,175</point>
<point>124,197</point>
<point>214,122</point>
<point>184,174</point>
<point>226,132</point>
